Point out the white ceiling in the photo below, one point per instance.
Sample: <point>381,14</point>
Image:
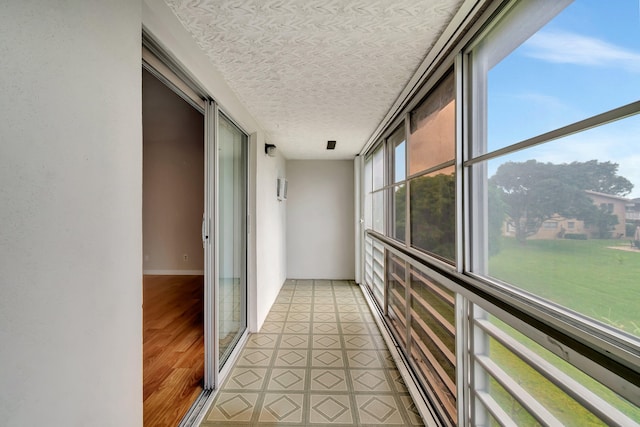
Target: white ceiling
<point>316,70</point>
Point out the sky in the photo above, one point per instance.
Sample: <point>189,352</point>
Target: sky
<point>584,62</point>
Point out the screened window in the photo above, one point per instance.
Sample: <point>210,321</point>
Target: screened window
<point>433,186</point>
<point>397,144</point>
<point>432,139</point>
<point>537,72</point>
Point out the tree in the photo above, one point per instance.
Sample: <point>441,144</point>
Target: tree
<point>433,214</point>
<point>533,192</point>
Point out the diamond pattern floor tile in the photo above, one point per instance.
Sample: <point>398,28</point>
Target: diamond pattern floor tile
<point>318,360</point>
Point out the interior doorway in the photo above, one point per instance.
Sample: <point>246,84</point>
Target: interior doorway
<point>173,288</point>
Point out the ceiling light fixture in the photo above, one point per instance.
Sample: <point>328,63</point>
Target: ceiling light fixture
<point>331,145</point>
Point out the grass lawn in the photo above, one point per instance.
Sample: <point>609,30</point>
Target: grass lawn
<point>584,275</point>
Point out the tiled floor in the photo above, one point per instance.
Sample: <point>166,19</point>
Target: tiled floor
<point>319,360</point>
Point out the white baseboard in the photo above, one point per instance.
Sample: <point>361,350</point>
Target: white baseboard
<point>174,272</point>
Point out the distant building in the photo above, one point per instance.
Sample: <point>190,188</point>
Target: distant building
<point>557,226</point>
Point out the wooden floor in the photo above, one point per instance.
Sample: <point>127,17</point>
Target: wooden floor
<point>173,349</point>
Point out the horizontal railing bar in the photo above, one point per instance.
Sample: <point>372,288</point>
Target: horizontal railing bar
<point>535,408</point>
<point>448,382</point>
<point>436,289</point>
<point>432,381</point>
<point>495,409</point>
<point>434,313</point>
<point>612,356</point>
<point>398,279</point>
<point>435,339</point>
<point>573,388</point>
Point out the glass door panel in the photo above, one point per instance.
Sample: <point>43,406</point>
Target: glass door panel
<point>232,196</point>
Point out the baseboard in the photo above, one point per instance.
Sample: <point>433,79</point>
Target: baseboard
<point>174,272</point>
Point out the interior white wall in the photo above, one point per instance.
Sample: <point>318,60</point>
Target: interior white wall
<point>70,209</point>
<point>320,219</point>
<point>267,242</point>
<point>271,228</point>
<point>172,181</point>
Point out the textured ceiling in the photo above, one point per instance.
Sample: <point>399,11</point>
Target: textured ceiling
<point>316,70</point>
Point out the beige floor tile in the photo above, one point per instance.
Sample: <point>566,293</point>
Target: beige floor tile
<point>272,327</point>
<point>327,358</point>
<point>263,341</point>
<point>288,379</point>
<point>282,408</point>
<point>299,317</point>
<point>324,308</point>
<point>378,409</point>
<point>363,342</point>
<point>297,328</point>
<point>294,341</point>
<point>291,358</point>
<point>233,407</point>
<point>245,378</point>
<point>280,307</point>
<point>363,359</point>
<point>255,357</point>
<point>325,328</point>
<point>330,409</point>
<point>326,341</point>
<point>325,317</point>
<point>370,380</point>
<point>354,328</point>
<point>328,380</point>
<point>319,360</point>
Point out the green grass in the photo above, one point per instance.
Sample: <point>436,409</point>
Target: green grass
<point>585,276</point>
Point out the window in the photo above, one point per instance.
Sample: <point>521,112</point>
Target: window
<point>432,188</point>
<point>564,60</point>
<point>397,144</point>
<point>549,114</point>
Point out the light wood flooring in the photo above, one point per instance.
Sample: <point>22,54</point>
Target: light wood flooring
<point>173,347</point>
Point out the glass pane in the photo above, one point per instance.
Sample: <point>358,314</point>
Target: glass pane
<point>511,353</point>
<point>399,211</point>
<point>562,220</point>
<point>584,61</point>
<point>433,128</point>
<point>433,212</point>
<point>378,168</point>
<point>368,185</point>
<point>433,339</point>
<point>231,236</point>
<point>378,211</point>
<point>397,141</point>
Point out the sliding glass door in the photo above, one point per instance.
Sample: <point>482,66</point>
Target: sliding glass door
<point>231,238</point>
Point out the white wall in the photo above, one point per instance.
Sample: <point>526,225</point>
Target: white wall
<point>320,219</point>
<point>267,244</point>
<point>70,209</point>
<point>271,228</point>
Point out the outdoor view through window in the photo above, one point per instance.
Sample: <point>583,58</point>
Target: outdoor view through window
<point>562,215</point>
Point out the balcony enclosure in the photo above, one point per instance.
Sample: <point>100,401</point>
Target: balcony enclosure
<point>414,211</point>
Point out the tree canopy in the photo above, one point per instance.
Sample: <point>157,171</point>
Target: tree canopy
<point>532,192</point>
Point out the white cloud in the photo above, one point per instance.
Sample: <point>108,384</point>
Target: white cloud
<point>569,48</point>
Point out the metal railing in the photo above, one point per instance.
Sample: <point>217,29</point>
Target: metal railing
<point>421,307</point>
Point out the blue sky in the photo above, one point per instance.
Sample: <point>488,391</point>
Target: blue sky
<point>584,62</point>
